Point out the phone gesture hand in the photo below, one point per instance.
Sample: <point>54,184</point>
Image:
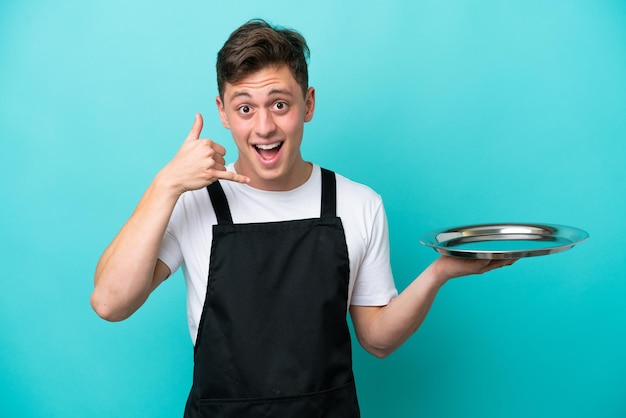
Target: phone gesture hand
<point>199,162</point>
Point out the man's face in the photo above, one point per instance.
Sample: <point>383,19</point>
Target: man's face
<point>265,113</point>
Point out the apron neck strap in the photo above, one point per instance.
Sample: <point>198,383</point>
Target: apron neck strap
<point>220,204</point>
<point>329,194</point>
<point>328,207</point>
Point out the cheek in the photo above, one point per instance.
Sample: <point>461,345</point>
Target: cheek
<point>293,126</point>
<point>239,131</point>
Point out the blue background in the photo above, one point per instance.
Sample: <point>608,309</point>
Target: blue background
<point>455,111</point>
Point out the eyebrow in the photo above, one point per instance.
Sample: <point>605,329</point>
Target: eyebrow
<point>273,92</point>
<point>240,94</point>
<point>280,91</point>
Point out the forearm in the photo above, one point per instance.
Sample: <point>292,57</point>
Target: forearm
<point>125,274</point>
<point>382,330</point>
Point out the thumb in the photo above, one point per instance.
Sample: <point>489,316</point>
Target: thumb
<point>196,129</point>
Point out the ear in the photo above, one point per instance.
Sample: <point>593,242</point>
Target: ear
<point>309,104</point>
<point>222,112</point>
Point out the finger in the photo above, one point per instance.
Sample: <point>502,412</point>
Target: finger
<point>230,176</point>
<point>196,129</point>
<point>509,262</point>
<point>495,264</point>
<point>218,159</point>
<point>219,149</point>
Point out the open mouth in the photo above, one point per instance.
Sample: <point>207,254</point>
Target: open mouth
<point>268,151</point>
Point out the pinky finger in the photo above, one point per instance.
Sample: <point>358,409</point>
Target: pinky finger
<point>230,176</point>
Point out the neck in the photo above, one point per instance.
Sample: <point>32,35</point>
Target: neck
<point>299,173</point>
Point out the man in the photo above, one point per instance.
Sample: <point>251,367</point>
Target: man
<point>274,250</point>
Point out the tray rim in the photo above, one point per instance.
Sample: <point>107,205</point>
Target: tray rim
<point>573,234</point>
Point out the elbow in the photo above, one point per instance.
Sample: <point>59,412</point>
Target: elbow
<point>378,350</point>
<point>104,310</point>
<point>379,354</point>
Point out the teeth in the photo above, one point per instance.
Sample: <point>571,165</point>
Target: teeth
<point>268,146</point>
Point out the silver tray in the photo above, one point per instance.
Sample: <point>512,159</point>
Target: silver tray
<point>503,241</point>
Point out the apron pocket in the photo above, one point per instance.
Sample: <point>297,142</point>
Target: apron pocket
<point>339,402</point>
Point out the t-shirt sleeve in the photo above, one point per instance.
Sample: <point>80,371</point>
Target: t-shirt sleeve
<point>374,285</point>
<point>170,252</point>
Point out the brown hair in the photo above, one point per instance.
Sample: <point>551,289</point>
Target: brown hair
<point>257,45</point>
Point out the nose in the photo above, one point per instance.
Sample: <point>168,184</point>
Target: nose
<point>265,125</point>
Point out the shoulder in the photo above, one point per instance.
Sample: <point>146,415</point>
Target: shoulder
<point>356,192</point>
<point>358,205</point>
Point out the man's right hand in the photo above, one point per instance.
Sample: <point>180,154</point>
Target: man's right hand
<point>198,163</point>
<point>129,269</point>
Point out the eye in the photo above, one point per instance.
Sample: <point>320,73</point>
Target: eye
<point>280,105</point>
<point>245,109</point>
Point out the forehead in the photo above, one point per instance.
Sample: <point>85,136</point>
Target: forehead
<point>265,82</point>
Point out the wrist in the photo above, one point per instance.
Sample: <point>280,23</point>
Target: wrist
<point>438,273</point>
<point>165,186</point>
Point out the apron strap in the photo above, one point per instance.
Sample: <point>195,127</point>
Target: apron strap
<point>328,207</point>
<point>220,204</point>
<point>329,194</point>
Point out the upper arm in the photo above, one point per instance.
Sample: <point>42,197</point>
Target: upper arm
<point>161,273</point>
<point>116,303</point>
<point>363,318</point>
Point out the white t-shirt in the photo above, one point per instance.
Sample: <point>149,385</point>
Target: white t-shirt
<point>187,241</point>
